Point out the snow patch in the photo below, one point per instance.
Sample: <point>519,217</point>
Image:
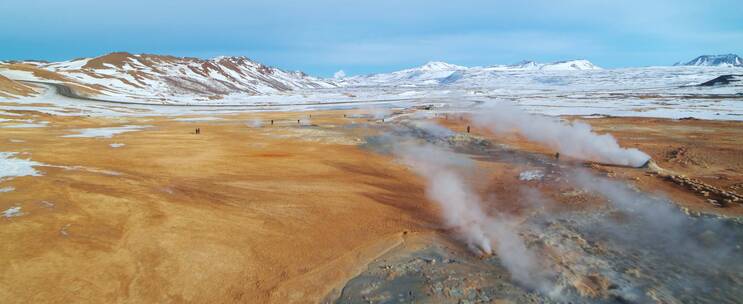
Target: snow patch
<point>255,123</point>
<point>42,124</point>
<point>12,167</point>
<point>9,114</point>
<point>531,175</point>
<point>106,132</point>
<point>191,119</point>
<point>12,212</point>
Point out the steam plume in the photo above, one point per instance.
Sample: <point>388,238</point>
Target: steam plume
<point>255,123</point>
<point>462,210</point>
<point>574,139</point>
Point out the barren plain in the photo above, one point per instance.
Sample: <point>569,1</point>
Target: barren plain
<point>297,207</point>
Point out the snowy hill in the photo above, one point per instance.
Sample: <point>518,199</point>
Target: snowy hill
<point>124,74</point>
<point>726,60</point>
<point>430,73</point>
<point>442,73</point>
<point>569,65</point>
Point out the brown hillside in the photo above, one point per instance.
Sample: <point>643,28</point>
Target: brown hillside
<point>116,59</point>
<point>79,88</point>
<point>10,88</point>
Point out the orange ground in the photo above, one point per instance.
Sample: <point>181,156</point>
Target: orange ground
<point>233,214</point>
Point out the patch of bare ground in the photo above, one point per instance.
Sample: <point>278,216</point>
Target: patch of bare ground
<point>10,88</point>
<point>117,59</point>
<point>213,217</point>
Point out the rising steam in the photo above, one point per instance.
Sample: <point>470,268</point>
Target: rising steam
<point>446,185</point>
<point>574,139</point>
<point>647,234</point>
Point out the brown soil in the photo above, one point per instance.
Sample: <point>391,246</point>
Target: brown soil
<point>116,59</point>
<point>235,214</point>
<point>10,88</point>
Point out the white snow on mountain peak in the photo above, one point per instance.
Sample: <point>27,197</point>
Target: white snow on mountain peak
<point>235,79</point>
<point>723,60</point>
<point>526,65</point>
<point>441,66</point>
<point>580,64</point>
<point>442,73</point>
<point>125,74</point>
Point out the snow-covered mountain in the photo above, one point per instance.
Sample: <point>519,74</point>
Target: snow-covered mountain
<point>167,78</point>
<point>231,80</point>
<point>124,74</point>
<point>430,73</point>
<point>726,60</point>
<point>569,65</point>
<point>442,73</point>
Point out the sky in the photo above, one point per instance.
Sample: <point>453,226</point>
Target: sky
<point>321,37</point>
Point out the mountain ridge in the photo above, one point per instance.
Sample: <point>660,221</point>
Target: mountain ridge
<point>442,73</point>
<point>720,60</point>
<point>165,78</point>
<point>134,75</point>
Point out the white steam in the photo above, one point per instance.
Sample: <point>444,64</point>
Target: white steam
<point>446,185</point>
<point>432,128</point>
<point>574,139</point>
<point>379,113</point>
<point>254,123</point>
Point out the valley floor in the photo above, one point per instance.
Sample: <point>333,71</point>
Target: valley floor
<point>293,207</point>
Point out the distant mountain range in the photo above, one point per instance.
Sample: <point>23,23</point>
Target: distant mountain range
<point>438,73</point>
<point>725,60</point>
<point>126,75</point>
<point>162,78</point>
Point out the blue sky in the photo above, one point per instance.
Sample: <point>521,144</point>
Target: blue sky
<point>323,36</point>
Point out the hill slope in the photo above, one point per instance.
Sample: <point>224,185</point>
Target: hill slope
<point>157,76</point>
<point>10,88</point>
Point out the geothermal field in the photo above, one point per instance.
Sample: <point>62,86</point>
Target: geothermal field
<point>438,184</point>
